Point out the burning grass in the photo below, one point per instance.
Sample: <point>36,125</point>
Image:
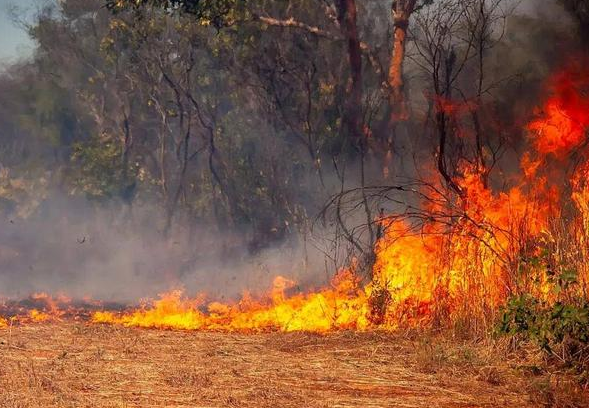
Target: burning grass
<point>456,257</point>
<point>72,364</point>
<point>453,262</point>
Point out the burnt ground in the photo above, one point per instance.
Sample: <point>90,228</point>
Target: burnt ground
<point>80,365</point>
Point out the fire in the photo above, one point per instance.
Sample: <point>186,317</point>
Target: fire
<point>475,247</point>
<point>41,307</point>
<point>39,316</point>
<point>422,272</point>
<point>562,122</point>
<point>467,261</point>
<point>340,307</point>
<point>476,259</point>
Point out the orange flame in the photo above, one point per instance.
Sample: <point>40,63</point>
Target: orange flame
<point>466,262</point>
<point>562,121</point>
<point>339,307</point>
<point>466,258</point>
<point>39,316</point>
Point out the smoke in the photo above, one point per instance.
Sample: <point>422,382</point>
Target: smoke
<point>551,11</point>
<point>75,247</point>
<point>113,252</point>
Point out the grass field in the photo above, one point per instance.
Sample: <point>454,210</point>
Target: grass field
<point>79,365</point>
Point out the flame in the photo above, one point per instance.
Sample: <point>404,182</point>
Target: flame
<point>472,251</point>
<point>452,107</point>
<point>339,307</point>
<point>467,259</point>
<point>39,316</point>
<point>419,271</point>
<point>562,121</point>
<point>41,307</point>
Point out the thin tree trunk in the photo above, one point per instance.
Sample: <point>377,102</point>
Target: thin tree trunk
<point>401,12</point>
<point>162,157</point>
<point>347,16</point>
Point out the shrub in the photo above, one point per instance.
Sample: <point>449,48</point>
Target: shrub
<point>560,329</point>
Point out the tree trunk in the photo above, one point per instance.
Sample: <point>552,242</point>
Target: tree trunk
<point>401,12</point>
<point>347,16</point>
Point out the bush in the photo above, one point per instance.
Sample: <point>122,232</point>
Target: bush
<point>560,329</point>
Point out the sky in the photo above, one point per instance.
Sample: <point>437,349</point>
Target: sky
<point>14,41</point>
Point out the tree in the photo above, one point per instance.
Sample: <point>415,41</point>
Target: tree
<point>216,12</point>
<point>401,11</point>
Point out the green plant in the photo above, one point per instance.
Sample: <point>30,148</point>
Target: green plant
<point>560,329</point>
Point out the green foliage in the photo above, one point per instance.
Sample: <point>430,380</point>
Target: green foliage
<point>556,318</point>
<point>99,171</point>
<point>48,113</point>
<point>560,329</point>
<point>216,12</point>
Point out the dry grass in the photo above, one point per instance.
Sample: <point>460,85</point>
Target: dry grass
<point>77,365</point>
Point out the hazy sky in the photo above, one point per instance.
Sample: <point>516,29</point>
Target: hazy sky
<point>14,42</point>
